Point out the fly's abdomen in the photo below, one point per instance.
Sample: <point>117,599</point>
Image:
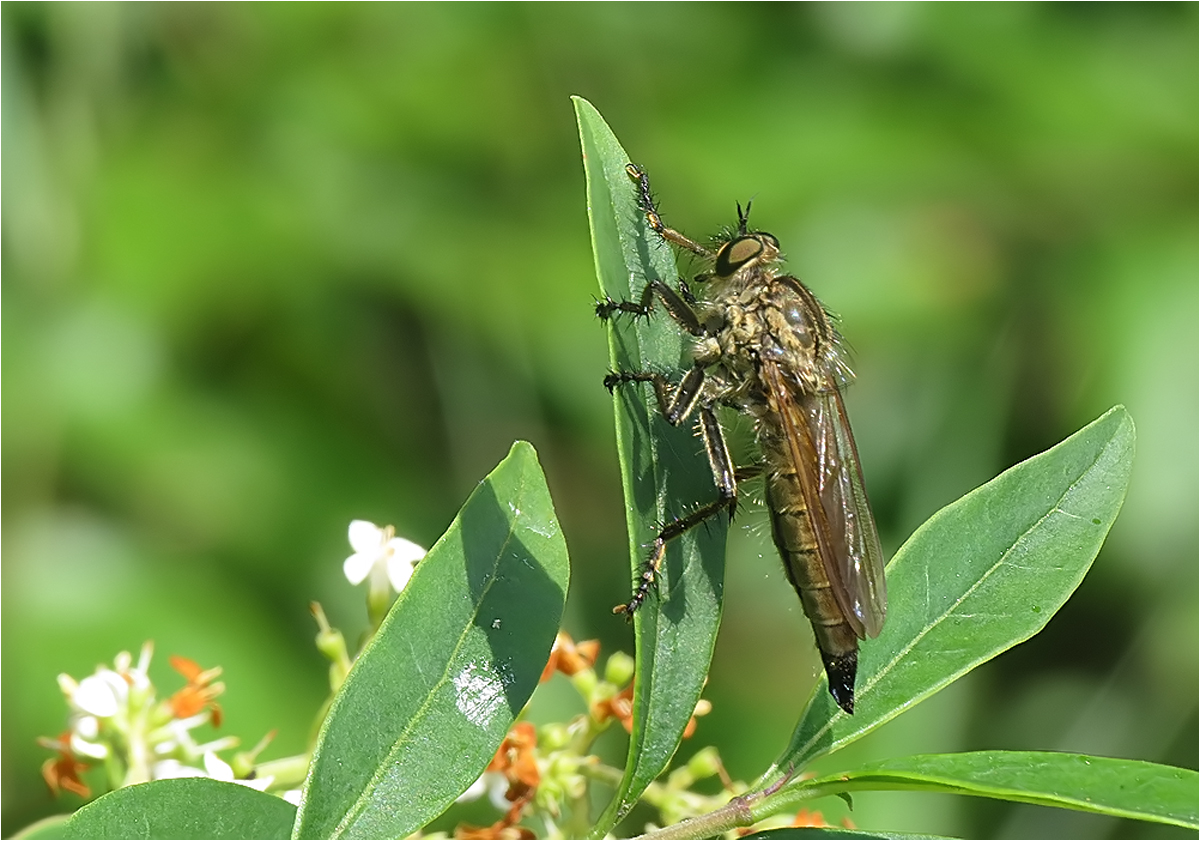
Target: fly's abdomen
<point>792,531</point>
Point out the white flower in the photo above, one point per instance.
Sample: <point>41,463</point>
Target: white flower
<point>219,769</point>
<point>173,769</point>
<point>86,727</point>
<point>101,694</point>
<point>138,678</point>
<point>215,768</point>
<point>379,549</point>
<point>106,692</point>
<point>474,791</point>
<point>84,733</point>
<point>493,784</point>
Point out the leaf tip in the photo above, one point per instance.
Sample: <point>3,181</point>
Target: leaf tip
<point>524,448</point>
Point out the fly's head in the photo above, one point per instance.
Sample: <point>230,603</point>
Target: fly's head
<point>743,258</point>
<point>743,255</point>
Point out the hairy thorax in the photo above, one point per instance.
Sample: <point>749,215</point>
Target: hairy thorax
<point>757,316</point>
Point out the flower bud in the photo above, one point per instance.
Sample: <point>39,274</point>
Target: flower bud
<point>585,682</point>
<point>619,668</point>
<point>705,763</point>
<point>554,736</point>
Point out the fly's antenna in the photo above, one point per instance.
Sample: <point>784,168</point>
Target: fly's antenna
<point>744,218</point>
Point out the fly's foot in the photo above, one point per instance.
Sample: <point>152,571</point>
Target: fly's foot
<point>608,308</point>
<point>615,378</point>
<point>645,198</point>
<point>647,582</point>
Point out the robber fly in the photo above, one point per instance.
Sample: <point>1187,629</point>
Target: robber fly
<point>766,347</point>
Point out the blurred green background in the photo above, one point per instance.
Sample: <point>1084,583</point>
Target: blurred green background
<point>268,268</point>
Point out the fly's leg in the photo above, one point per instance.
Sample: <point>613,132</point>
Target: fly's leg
<point>678,306</point>
<point>647,205</point>
<point>676,403</point>
<point>725,478</point>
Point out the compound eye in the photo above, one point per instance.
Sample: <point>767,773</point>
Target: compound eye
<point>733,255</point>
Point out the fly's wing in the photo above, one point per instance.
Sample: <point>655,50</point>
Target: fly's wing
<point>858,556</point>
<point>821,447</point>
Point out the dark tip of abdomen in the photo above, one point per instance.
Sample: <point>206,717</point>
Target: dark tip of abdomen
<point>841,671</point>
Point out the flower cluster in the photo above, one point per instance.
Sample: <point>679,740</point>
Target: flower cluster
<point>117,720</point>
<point>546,771</point>
<point>538,774</point>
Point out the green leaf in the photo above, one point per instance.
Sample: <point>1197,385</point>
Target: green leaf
<point>795,833</point>
<point>434,693</point>
<point>663,470</point>
<point>188,808</point>
<point>981,575</point>
<point>1123,788</point>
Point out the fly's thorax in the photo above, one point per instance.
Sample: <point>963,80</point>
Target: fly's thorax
<point>756,314</point>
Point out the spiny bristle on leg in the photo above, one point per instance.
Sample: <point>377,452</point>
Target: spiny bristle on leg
<point>647,582</point>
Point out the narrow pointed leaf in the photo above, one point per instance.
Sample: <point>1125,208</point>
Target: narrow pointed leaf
<point>981,575</point>
<point>434,693</point>
<point>663,470</point>
<point>188,808</point>
<point>1122,788</point>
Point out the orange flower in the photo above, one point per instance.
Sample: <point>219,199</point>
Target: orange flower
<point>807,818</point>
<point>200,691</point>
<point>620,707</point>
<point>570,657</point>
<point>703,707</point>
<point>516,759</point>
<point>500,829</point>
<point>62,772</point>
